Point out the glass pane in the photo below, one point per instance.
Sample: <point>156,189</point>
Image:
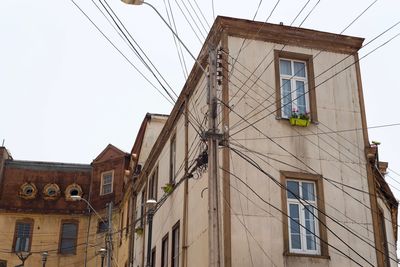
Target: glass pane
<point>308,191</point>
<point>293,189</point>
<point>286,98</point>
<point>107,179</point>
<point>67,246</point>
<point>299,69</point>
<point>294,226</point>
<point>285,67</point>
<point>301,97</point>
<point>106,189</point>
<point>69,230</point>
<point>310,227</point>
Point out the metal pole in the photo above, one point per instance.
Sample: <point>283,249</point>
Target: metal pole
<point>44,258</point>
<point>109,235</point>
<point>102,260</point>
<point>149,236</point>
<point>213,213</point>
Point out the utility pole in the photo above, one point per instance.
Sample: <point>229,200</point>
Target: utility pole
<point>109,235</point>
<point>213,183</point>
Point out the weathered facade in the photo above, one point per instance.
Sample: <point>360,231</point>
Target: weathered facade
<point>289,195</point>
<point>37,213</point>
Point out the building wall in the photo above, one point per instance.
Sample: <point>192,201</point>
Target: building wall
<point>337,156</point>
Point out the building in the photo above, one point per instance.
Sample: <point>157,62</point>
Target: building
<point>294,189</point>
<point>38,213</point>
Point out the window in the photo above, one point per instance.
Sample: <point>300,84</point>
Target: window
<point>382,229</point>
<point>23,235</point>
<point>69,232</point>
<point>3,263</point>
<point>164,251</point>
<point>295,86</point>
<point>153,258</point>
<point>102,226</point>
<point>142,201</point>
<point>107,182</point>
<point>303,226</point>
<point>175,246</point>
<point>302,201</point>
<point>172,160</point>
<point>153,184</point>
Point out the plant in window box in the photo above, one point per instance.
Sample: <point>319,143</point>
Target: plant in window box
<point>139,230</point>
<point>302,120</point>
<point>168,188</point>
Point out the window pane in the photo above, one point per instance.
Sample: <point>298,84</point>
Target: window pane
<point>294,226</point>
<point>309,212</point>
<point>23,234</point>
<point>285,67</point>
<point>68,238</point>
<point>68,246</point>
<point>286,98</point>
<point>106,189</point>
<point>301,97</point>
<point>293,189</point>
<point>299,69</point>
<point>308,191</point>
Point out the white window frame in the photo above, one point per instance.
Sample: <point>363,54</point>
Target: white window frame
<point>293,87</point>
<point>302,203</point>
<point>103,174</point>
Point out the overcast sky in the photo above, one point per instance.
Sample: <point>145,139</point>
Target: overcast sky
<point>66,92</point>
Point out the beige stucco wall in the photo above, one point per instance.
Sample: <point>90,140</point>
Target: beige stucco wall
<point>46,237</point>
<point>337,156</point>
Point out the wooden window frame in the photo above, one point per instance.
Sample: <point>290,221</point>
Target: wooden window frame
<point>176,227</point>
<point>323,237</point>
<point>26,221</point>
<point>164,241</point>
<point>172,159</point>
<point>308,59</point>
<point>102,182</point>
<point>76,222</point>
<point>153,184</point>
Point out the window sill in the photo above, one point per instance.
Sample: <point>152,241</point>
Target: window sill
<point>291,254</point>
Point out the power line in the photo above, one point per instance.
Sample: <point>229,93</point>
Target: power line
<point>322,133</point>
<point>120,52</point>
<point>289,218</point>
<point>255,165</point>
<point>258,77</point>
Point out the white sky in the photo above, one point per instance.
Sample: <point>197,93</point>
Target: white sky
<point>65,92</point>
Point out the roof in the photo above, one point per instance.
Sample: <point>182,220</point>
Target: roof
<point>41,165</point>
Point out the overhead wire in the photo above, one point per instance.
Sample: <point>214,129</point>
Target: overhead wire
<point>317,197</point>
<point>178,46</point>
<point>314,57</point>
<point>120,52</point>
<point>255,165</point>
<point>289,217</point>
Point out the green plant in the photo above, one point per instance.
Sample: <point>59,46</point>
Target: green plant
<point>168,188</point>
<point>139,230</point>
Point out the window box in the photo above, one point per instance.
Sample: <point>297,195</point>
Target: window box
<point>299,122</point>
<point>168,188</point>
